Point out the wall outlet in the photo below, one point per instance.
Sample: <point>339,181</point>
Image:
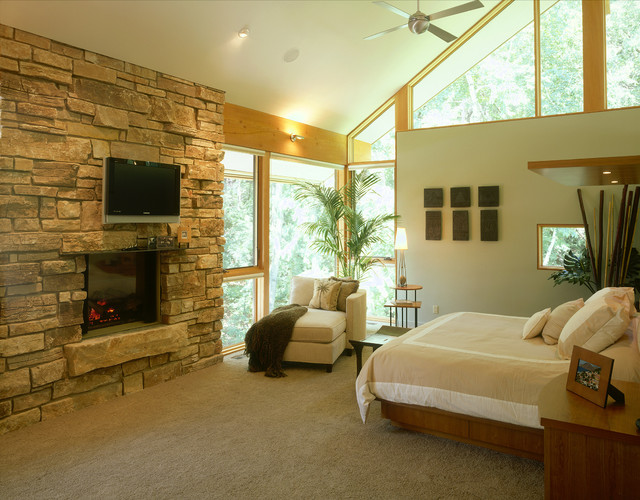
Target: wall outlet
<point>436,309</point>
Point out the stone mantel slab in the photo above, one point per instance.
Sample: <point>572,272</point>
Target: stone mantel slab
<point>111,350</point>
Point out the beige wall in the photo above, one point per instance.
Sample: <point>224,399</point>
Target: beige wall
<point>500,277</point>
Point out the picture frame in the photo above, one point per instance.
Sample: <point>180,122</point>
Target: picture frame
<point>184,234</point>
<point>590,377</point>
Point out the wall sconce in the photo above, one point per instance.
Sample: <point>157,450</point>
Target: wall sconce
<point>296,137</point>
<point>244,32</point>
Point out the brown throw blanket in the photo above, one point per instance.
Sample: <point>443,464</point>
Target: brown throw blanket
<point>266,340</point>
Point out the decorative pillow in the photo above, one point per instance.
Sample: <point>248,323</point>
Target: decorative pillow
<point>348,286</point>
<point>325,294</point>
<point>622,295</point>
<point>301,290</point>
<point>558,318</point>
<point>597,325</point>
<point>533,326</point>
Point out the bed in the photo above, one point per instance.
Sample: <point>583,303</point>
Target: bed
<point>471,377</point>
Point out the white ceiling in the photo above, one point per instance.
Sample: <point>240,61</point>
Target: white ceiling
<point>337,80</point>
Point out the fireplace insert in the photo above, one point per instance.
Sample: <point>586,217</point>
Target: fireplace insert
<point>122,288</point>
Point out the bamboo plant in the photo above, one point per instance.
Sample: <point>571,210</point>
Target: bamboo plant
<point>609,258</point>
<point>342,230</point>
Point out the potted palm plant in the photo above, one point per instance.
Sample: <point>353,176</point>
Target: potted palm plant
<point>342,230</point>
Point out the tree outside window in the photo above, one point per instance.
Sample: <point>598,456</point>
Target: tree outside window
<point>555,241</point>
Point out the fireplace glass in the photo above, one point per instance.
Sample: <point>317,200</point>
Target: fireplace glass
<point>122,288</point>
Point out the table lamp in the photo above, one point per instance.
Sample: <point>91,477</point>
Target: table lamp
<point>401,244</point>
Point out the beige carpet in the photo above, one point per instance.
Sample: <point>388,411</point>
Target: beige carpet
<point>226,433</point>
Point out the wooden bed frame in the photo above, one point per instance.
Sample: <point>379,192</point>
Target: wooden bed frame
<point>507,438</point>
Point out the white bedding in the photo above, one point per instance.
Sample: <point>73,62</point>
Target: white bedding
<point>474,364</point>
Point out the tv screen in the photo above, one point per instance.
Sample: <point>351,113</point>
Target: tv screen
<point>140,191</point>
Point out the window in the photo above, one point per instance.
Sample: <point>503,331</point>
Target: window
<point>561,58</point>
<point>623,53</point>
<point>290,251</point>
<point>239,210</point>
<point>500,87</point>
<point>555,241</point>
<point>241,250</point>
<point>378,140</point>
<point>382,277</point>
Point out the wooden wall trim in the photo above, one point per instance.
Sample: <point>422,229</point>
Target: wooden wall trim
<point>594,55</point>
<point>255,129</point>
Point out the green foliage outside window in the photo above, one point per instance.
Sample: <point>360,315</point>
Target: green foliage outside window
<point>623,53</point>
<point>238,310</point>
<point>561,58</point>
<point>500,87</point>
<point>290,250</point>
<point>557,241</point>
<point>238,223</point>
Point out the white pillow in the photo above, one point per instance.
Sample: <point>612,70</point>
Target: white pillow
<point>558,318</point>
<point>301,290</point>
<point>533,326</point>
<point>597,325</point>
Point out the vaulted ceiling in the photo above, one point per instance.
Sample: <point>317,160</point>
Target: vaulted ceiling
<point>305,60</point>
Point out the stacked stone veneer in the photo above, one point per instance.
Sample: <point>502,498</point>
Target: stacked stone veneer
<point>63,110</point>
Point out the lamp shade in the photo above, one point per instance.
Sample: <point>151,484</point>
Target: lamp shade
<point>401,239</point>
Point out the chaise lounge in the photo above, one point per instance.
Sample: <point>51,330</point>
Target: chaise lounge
<point>320,335</point>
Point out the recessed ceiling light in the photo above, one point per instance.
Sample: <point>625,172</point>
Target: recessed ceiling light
<point>244,32</point>
<point>606,172</point>
<point>614,182</point>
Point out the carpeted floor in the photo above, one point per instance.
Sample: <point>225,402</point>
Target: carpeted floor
<point>224,432</point>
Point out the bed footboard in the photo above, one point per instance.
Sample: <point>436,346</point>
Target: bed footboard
<point>507,438</point>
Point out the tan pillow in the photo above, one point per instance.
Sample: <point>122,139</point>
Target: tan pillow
<point>596,326</point>
<point>533,326</point>
<point>558,318</point>
<point>348,286</point>
<point>325,294</point>
<point>623,295</point>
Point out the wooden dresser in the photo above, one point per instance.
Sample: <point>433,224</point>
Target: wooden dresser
<point>589,451</point>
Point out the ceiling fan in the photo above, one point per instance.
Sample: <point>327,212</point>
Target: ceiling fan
<point>418,23</point>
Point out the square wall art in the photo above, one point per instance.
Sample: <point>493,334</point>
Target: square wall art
<point>433,198</point>
<point>488,196</point>
<point>461,197</point>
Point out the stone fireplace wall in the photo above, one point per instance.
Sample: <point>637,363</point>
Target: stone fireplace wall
<point>62,110</point>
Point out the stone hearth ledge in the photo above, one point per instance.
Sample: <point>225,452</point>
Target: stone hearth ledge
<point>111,350</point>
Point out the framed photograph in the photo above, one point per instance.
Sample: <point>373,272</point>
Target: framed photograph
<point>184,234</point>
<point>590,375</point>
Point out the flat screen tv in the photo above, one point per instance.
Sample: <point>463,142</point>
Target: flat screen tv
<point>140,191</point>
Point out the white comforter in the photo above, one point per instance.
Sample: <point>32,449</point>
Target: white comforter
<point>474,364</point>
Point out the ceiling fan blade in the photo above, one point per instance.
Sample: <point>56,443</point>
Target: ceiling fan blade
<point>371,37</point>
<point>393,9</point>
<point>459,9</point>
<point>440,33</point>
